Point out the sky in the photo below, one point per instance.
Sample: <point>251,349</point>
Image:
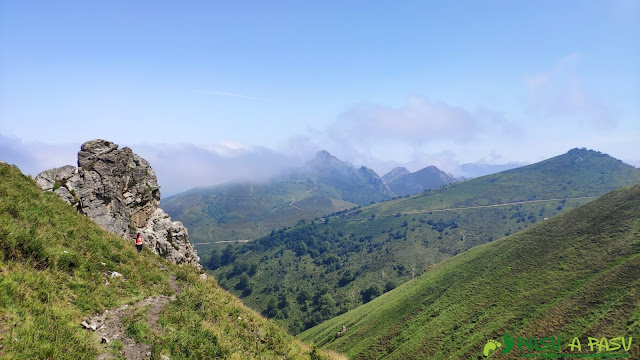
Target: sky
<point>218,91</point>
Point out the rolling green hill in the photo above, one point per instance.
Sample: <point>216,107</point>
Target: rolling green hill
<point>316,270</point>
<point>58,269</point>
<point>243,212</point>
<point>575,275</point>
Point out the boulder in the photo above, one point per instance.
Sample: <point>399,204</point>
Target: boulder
<point>119,190</point>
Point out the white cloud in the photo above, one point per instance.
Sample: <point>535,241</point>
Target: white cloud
<point>35,157</point>
<point>413,135</point>
<point>419,120</point>
<point>560,93</point>
<point>180,167</point>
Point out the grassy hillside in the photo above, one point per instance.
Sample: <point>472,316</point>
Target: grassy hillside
<point>577,173</point>
<point>56,270</point>
<point>248,211</point>
<point>314,271</point>
<point>575,275</point>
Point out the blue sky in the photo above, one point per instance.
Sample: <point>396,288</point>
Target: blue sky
<point>213,91</point>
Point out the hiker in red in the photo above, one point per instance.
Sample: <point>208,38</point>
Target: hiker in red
<point>139,242</point>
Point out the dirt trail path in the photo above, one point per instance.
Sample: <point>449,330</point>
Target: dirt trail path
<point>110,325</point>
<point>476,207</point>
<point>295,207</point>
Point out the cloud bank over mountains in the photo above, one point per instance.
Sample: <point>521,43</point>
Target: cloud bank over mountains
<point>180,167</point>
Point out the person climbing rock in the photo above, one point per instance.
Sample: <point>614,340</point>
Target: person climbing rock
<point>139,242</point>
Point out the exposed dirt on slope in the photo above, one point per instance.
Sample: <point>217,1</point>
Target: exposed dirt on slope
<point>110,325</point>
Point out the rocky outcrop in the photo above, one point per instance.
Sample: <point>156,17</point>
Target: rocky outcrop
<point>119,190</point>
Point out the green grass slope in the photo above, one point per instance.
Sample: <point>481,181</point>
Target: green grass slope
<point>314,271</point>
<point>248,211</point>
<point>54,267</point>
<point>575,275</point>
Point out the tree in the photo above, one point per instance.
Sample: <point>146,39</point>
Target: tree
<point>271,310</point>
<point>371,293</point>
<point>346,278</point>
<point>243,282</point>
<point>214,261</point>
<point>390,285</point>
<point>228,256</point>
<point>303,296</point>
<point>301,249</point>
<point>283,301</point>
<point>327,306</point>
<point>253,268</point>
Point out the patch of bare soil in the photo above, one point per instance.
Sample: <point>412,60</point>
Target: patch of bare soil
<point>109,325</point>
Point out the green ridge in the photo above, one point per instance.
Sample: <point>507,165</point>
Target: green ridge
<point>248,211</point>
<point>575,275</point>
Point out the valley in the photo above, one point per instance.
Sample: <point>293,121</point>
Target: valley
<point>573,276</point>
<point>317,269</point>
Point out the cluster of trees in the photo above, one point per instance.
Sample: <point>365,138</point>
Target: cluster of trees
<point>440,225</point>
<point>328,248</point>
<point>307,239</point>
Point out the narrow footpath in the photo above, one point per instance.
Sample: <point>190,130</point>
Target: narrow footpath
<point>110,325</point>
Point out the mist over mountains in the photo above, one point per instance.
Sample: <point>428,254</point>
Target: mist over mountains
<point>185,166</point>
<point>246,210</point>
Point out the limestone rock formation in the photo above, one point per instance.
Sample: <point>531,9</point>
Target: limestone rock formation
<point>119,190</point>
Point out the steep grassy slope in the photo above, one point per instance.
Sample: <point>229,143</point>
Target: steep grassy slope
<point>55,272</point>
<point>310,273</point>
<point>576,275</point>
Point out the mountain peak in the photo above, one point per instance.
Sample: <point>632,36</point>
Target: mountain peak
<point>324,154</point>
<point>402,182</point>
<point>324,161</point>
<point>394,174</point>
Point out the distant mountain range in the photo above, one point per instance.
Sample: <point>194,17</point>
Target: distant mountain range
<point>318,269</point>
<point>325,184</point>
